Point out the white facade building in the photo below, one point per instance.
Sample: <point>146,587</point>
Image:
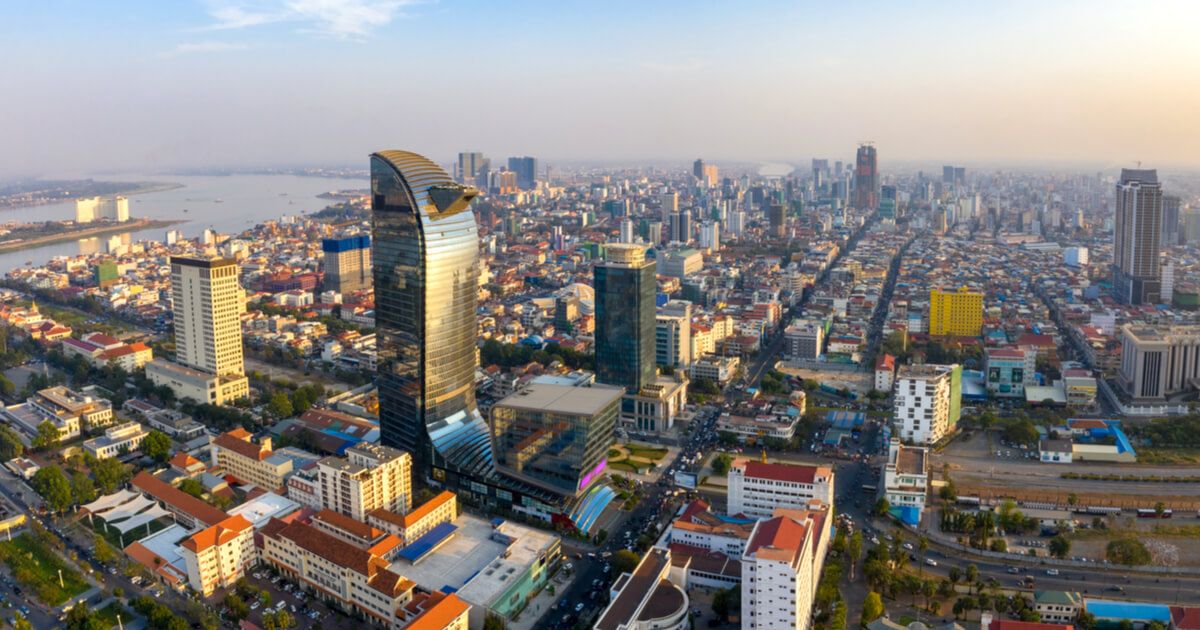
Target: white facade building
<point>757,488</point>
<point>924,410</point>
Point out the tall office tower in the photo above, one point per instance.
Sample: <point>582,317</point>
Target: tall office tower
<point>837,169</point>
<point>654,232</point>
<point>468,167</point>
<point>960,175</point>
<point>625,323</point>
<point>947,175</point>
<point>566,313</point>
<point>207,302</point>
<point>777,220</point>
<point>820,173</point>
<point>1191,226</point>
<point>1170,220</point>
<point>668,203</point>
<point>866,178</point>
<point>710,235</point>
<point>887,202</point>
<point>698,169</point>
<point>681,226</point>
<point>737,222</point>
<point>347,263</point>
<point>526,169</point>
<point>627,230</point>
<point>426,256</point>
<point>1137,237</point>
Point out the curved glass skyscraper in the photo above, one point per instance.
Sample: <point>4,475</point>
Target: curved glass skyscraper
<point>426,259</point>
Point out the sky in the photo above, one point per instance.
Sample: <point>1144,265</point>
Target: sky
<point>154,85</point>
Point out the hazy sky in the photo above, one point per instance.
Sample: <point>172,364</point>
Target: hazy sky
<point>158,84</point>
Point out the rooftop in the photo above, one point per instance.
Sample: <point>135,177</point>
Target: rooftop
<point>629,601</point>
<point>564,399</point>
<point>794,473</point>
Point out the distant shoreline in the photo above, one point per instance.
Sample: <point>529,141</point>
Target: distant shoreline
<point>141,188</point>
<point>132,225</point>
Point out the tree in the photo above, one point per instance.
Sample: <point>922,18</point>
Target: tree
<point>110,474</point>
<point>838,620</point>
<point>82,488</point>
<point>80,617</point>
<point>872,607</point>
<point>854,551</point>
<point>156,445</point>
<point>102,551</point>
<point>922,548</point>
<point>47,437</point>
<point>279,406</point>
<point>493,622</point>
<point>1072,499</point>
<point>10,444</point>
<point>972,574</point>
<point>1128,551</point>
<point>1060,546</point>
<point>1159,509</point>
<point>192,487</point>
<point>727,601</point>
<point>1021,432</point>
<point>51,482</point>
<point>624,561</point>
<point>882,507</point>
<point>238,608</point>
<point>721,463</point>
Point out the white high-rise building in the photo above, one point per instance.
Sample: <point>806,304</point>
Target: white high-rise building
<point>673,340</point>
<point>91,208</point>
<point>174,236</point>
<point>926,409</point>
<point>206,299</point>
<point>370,477</point>
<point>781,567</point>
<point>669,203</point>
<point>737,222</point>
<point>626,230</point>
<point>710,235</point>
<point>1075,256</point>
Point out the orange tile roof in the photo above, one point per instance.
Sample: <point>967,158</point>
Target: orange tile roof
<point>439,616</point>
<point>218,534</point>
<point>183,461</point>
<point>240,443</point>
<point>348,525</point>
<point>425,509</point>
<point>178,499</point>
<point>780,538</point>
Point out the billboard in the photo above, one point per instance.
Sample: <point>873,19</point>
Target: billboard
<point>685,479</point>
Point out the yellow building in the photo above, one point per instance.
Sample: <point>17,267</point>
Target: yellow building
<point>958,313</point>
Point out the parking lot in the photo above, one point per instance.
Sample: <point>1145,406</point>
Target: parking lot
<point>305,608</point>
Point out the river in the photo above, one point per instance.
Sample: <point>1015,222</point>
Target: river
<point>244,201</point>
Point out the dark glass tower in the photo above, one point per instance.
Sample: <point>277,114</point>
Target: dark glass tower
<point>426,268</point>
<point>625,322</point>
<point>866,178</point>
<point>1137,237</point>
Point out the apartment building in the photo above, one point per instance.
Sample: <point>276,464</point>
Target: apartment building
<point>646,599</point>
<point>805,340</point>
<point>757,488</point>
<point>781,567</point>
<point>955,313</point>
<point>358,580</point>
<point>928,401</point>
<point>219,554</point>
<point>369,477</point>
<point>238,456</point>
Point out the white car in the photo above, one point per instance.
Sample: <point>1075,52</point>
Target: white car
<point>931,562</point>
<point>1051,571</point>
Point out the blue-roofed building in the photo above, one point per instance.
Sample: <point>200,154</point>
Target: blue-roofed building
<point>347,263</point>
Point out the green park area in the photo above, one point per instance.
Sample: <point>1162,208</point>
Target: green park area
<point>633,457</point>
<point>37,567</point>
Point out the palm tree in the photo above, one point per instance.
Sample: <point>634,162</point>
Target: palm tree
<point>972,575</point>
<point>922,547</point>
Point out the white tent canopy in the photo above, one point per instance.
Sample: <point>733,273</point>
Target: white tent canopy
<point>152,514</point>
<point>109,501</point>
<point>126,510</point>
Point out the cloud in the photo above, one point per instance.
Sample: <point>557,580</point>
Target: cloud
<point>204,47</point>
<point>346,19</point>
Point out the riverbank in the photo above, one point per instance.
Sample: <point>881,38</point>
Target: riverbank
<point>73,234</point>
<point>135,188</point>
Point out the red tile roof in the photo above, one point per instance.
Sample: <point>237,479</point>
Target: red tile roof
<point>780,534</point>
<point>1185,617</point>
<point>440,614</point>
<point>235,442</point>
<point>218,534</point>
<point>794,473</point>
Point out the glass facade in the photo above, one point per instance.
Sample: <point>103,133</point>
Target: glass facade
<point>559,448</point>
<point>625,324</point>
<point>426,264</point>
